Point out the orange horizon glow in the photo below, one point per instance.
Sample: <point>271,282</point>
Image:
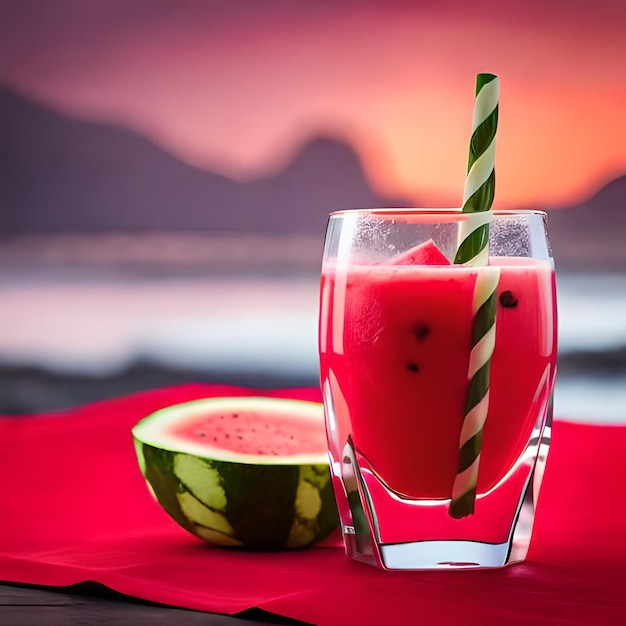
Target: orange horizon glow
<point>240,95</point>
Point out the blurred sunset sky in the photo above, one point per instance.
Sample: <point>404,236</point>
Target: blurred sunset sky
<point>235,86</point>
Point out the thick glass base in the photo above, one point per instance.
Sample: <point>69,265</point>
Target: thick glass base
<point>446,555</point>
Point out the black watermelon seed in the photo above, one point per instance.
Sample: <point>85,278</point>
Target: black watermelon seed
<point>508,299</point>
<point>421,330</point>
<point>413,367</point>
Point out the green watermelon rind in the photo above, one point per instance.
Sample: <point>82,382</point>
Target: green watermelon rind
<point>256,506</point>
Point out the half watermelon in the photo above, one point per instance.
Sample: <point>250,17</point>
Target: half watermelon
<point>248,472</point>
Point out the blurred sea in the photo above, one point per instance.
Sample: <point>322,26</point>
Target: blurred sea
<point>88,318</point>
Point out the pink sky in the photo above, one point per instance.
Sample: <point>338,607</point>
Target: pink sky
<point>236,86</point>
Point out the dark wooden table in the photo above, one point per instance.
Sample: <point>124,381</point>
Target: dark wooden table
<point>88,604</point>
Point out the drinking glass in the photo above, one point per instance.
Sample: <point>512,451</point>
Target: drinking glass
<point>395,338</point>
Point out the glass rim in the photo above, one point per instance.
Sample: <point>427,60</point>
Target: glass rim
<point>444,212</point>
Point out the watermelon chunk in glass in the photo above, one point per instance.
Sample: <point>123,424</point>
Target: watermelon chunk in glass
<point>426,253</point>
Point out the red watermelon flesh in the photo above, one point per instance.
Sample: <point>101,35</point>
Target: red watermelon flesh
<point>426,253</point>
<point>254,432</point>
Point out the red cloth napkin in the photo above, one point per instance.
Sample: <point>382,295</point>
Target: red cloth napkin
<point>74,507</point>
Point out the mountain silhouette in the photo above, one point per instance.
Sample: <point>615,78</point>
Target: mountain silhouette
<point>591,235</point>
<point>60,174</point>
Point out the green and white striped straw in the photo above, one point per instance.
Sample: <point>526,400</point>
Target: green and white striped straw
<point>474,250</point>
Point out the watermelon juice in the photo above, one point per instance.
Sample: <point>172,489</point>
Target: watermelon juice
<point>395,342</point>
